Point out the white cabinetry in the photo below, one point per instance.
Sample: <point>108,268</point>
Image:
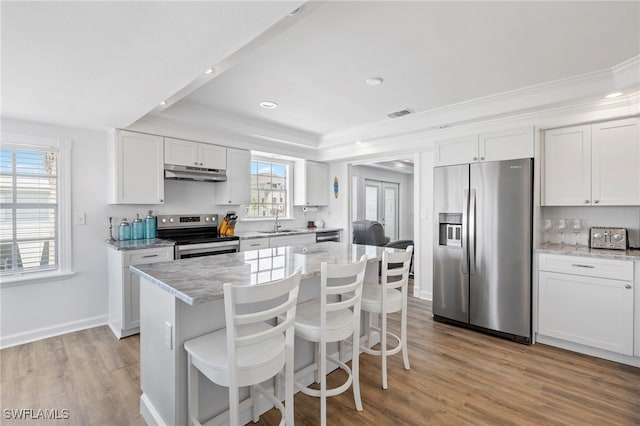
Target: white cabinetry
<point>254,244</point>
<point>495,146</point>
<point>124,286</point>
<point>311,184</point>
<point>589,301</point>
<point>135,168</point>
<point>595,164</point>
<point>236,189</point>
<point>187,153</point>
<point>292,240</point>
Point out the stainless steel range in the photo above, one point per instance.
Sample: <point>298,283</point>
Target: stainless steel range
<point>195,235</point>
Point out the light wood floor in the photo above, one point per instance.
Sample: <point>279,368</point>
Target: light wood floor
<point>457,377</point>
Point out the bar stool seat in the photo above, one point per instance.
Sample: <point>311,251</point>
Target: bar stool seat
<point>387,297</point>
<point>256,344</point>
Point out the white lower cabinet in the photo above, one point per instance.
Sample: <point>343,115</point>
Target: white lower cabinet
<point>124,286</point>
<point>578,303</point>
<point>254,244</point>
<point>292,240</point>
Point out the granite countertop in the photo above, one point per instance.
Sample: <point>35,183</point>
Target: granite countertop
<point>140,244</point>
<point>629,254</point>
<point>248,235</point>
<point>200,279</point>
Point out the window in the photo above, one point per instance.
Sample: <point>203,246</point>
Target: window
<point>269,189</point>
<point>31,209</point>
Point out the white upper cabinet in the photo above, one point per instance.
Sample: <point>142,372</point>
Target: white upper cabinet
<point>595,164</point>
<point>197,154</point>
<point>495,146</point>
<point>615,163</point>
<point>311,184</point>
<point>236,189</point>
<point>135,168</point>
<point>566,167</point>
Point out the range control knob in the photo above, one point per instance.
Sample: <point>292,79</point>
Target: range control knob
<point>170,220</point>
<point>164,220</point>
<point>617,237</point>
<point>206,219</point>
<point>597,235</point>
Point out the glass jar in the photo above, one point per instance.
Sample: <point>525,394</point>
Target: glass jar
<point>124,230</point>
<point>150,225</point>
<point>138,228</point>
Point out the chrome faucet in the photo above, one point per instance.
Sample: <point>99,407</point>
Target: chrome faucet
<point>276,225</point>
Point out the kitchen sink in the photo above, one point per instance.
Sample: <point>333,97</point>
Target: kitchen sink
<point>279,231</point>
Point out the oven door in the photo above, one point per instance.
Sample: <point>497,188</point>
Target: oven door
<point>206,249</point>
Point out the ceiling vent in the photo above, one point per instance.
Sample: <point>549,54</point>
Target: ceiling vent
<point>401,113</point>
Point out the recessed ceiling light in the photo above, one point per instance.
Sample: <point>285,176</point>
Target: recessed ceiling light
<point>613,95</point>
<point>359,142</point>
<point>163,103</point>
<point>209,71</point>
<point>374,81</point>
<point>268,104</point>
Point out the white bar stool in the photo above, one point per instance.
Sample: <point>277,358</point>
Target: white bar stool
<point>389,296</point>
<point>333,318</point>
<point>249,350</point>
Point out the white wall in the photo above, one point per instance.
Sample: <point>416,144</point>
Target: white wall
<point>423,284</point>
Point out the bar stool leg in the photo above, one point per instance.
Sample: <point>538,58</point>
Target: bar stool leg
<point>355,367</point>
<point>323,382</point>
<point>383,348</point>
<point>255,404</point>
<point>403,332</point>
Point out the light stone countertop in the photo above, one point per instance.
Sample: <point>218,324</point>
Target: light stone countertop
<point>200,279</point>
<point>567,249</point>
<point>140,244</point>
<point>249,235</point>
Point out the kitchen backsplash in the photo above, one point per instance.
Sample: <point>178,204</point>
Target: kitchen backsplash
<point>619,217</point>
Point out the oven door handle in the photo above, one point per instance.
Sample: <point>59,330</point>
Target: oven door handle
<point>208,246</point>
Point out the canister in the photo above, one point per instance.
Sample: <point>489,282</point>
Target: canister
<point>138,228</point>
<point>150,225</point>
<point>124,230</point>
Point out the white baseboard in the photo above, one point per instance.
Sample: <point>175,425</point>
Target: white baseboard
<point>54,330</point>
<point>426,295</point>
<point>587,350</point>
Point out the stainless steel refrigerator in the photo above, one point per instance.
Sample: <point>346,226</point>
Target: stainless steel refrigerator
<point>482,251</point>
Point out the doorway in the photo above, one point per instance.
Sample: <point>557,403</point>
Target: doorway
<point>381,205</point>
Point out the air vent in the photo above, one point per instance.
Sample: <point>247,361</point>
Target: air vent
<point>401,113</point>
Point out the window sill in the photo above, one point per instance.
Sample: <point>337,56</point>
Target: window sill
<point>32,278</point>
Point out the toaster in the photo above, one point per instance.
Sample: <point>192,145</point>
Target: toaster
<point>608,238</point>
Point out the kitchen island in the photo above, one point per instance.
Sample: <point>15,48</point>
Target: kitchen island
<point>183,299</point>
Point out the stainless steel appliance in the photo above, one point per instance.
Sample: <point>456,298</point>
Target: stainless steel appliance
<point>608,238</point>
<point>196,235</point>
<point>322,236</point>
<point>201,174</point>
<point>483,245</point>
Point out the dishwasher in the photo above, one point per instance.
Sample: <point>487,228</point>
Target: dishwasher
<point>322,236</point>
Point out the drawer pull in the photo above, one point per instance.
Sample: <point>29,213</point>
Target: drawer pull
<point>627,286</point>
<point>256,244</point>
<point>150,255</point>
<point>577,265</point>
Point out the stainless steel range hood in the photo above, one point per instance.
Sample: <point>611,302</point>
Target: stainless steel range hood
<point>174,172</point>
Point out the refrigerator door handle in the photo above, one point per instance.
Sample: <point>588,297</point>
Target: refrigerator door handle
<point>465,249</point>
<point>472,232</point>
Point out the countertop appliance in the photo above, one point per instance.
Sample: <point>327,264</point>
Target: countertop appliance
<point>608,238</point>
<point>195,235</point>
<point>483,247</point>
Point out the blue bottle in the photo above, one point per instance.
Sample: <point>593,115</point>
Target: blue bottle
<point>124,230</point>
<point>138,228</point>
<point>150,225</point>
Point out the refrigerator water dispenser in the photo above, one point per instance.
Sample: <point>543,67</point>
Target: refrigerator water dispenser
<point>450,229</point>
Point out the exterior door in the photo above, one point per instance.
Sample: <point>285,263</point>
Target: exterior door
<point>381,205</point>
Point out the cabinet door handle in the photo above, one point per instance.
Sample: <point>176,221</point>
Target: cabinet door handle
<point>627,286</point>
<point>150,255</point>
<point>577,265</point>
<point>475,158</point>
<point>255,245</point>
<point>586,201</point>
<point>596,201</point>
<point>482,158</point>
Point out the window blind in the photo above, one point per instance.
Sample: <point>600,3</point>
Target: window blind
<point>29,209</point>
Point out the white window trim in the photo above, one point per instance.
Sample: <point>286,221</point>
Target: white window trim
<point>65,264</point>
<point>290,206</point>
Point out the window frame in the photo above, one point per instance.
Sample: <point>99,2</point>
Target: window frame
<point>289,188</point>
<point>64,267</point>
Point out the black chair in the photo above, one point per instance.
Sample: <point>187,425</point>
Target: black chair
<point>371,233</point>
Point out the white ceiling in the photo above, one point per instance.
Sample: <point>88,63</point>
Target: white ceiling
<point>107,64</point>
<point>102,65</point>
<point>430,55</point>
